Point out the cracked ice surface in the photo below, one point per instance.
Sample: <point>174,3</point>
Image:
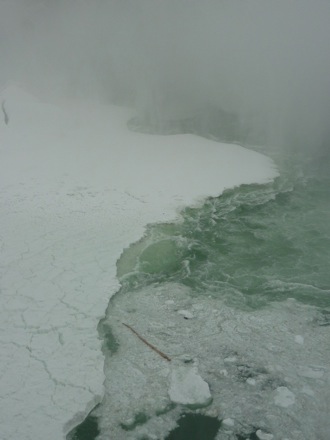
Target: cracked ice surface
<point>76,189</point>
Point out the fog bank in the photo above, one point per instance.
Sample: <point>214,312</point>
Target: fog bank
<point>266,62</point>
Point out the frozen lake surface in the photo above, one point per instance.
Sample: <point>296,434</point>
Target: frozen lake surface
<point>77,188</point>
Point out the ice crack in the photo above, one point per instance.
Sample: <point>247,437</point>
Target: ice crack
<point>5,114</point>
<point>53,379</point>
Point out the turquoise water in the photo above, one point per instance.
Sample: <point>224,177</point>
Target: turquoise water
<point>250,247</point>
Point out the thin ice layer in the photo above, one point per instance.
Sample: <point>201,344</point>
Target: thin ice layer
<point>76,189</point>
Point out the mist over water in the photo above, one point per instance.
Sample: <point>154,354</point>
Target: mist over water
<point>266,62</point>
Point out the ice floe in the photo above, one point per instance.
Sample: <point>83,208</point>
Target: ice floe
<point>284,397</point>
<point>188,388</point>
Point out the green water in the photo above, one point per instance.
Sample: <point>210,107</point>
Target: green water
<point>195,427</point>
<point>87,430</point>
<point>252,245</point>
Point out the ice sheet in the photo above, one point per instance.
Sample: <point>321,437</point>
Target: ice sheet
<point>76,189</point>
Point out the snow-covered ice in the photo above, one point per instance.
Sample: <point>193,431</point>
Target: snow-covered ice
<point>264,435</point>
<point>186,314</point>
<point>230,347</point>
<point>228,422</point>
<point>299,339</point>
<point>284,397</point>
<point>188,388</point>
<point>76,189</point>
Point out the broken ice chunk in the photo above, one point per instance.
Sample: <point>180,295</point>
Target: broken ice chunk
<point>284,397</point>
<point>186,314</point>
<point>188,388</point>
<point>230,359</point>
<point>311,371</point>
<point>228,422</point>
<point>264,435</point>
<point>299,339</point>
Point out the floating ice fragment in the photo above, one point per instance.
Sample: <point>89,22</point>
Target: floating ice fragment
<point>212,413</point>
<point>186,358</point>
<point>186,314</point>
<point>169,302</point>
<point>299,339</point>
<point>251,381</point>
<point>264,435</point>
<point>230,359</point>
<point>188,388</point>
<point>307,390</point>
<point>273,348</point>
<point>284,397</point>
<point>228,422</point>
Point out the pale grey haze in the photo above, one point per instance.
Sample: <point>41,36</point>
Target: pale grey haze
<point>266,62</point>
